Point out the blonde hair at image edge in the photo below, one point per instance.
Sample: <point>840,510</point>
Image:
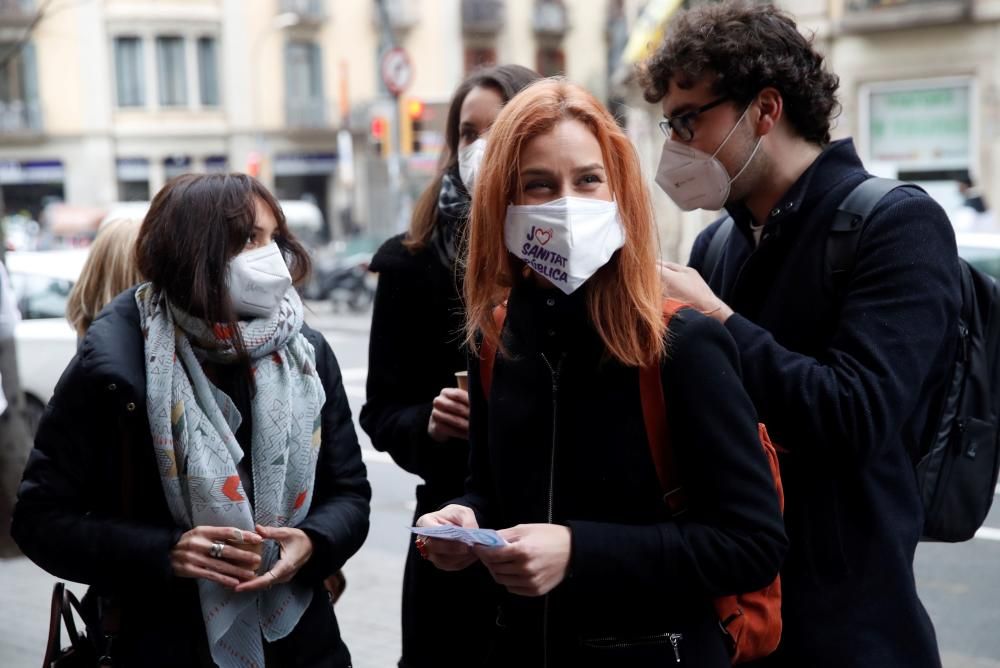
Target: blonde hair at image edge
<point>110,268</point>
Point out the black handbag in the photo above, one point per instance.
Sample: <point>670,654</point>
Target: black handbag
<point>80,652</point>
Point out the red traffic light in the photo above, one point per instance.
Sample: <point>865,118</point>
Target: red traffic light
<point>379,127</point>
<point>415,109</point>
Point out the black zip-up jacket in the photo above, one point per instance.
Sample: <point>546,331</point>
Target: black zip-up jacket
<point>416,346</point>
<point>94,448</point>
<point>846,383</point>
<point>562,440</point>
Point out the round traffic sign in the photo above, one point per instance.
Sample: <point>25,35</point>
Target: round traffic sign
<point>397,70</point>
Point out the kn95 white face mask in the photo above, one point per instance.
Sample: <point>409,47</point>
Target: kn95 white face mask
<point>694,179</point>
<point>258,280</point>
<point>566,240</point>
<point>470,158</point>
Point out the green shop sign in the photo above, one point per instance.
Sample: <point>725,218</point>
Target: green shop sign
<point>927,127</point>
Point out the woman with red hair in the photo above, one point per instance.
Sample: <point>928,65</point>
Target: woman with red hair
<point>597,570</point>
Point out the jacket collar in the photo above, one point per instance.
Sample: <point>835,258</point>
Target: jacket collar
<point>837,161</point>
<point>113,350</point>
<point>548,320</point>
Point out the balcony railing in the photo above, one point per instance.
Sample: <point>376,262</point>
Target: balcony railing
<point>18,117</point>
<point>550,18</point>
<point>306,114</point>
<point>17,12</point>
<point>482,17</point>
<point>875,15</point>
<point>309,11</point>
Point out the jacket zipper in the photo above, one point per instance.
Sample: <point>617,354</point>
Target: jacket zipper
<point>613,642</point>
<point>552,475</point>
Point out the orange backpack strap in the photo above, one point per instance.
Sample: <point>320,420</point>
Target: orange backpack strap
<point>654,414</point>
<point>488,352</point>
<point>751,622</point>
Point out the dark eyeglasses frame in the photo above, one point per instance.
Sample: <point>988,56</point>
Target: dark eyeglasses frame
<point>681,123</point>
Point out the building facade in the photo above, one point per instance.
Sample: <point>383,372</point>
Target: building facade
<point>104,101</point>
<point>919,94</point>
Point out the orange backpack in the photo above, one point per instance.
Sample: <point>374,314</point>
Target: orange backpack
<point>751,622</point>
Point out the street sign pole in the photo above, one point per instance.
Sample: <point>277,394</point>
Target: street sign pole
<point>396,72</point>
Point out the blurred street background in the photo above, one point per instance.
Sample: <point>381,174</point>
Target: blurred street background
<point>338,106</point>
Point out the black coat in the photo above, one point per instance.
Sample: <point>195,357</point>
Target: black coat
<point>562,440</point>
<point>415,349</point>
<point>846,386</point>
<point>94,447</point>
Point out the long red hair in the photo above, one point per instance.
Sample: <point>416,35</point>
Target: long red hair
<point>624,297</point>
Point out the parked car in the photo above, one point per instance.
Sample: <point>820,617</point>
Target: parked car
<point>45,341</point>
<point>981,250</point>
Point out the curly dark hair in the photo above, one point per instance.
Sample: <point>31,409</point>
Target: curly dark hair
<point>749,47</point>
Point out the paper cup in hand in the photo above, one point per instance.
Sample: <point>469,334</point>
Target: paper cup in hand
<point>463,380</point>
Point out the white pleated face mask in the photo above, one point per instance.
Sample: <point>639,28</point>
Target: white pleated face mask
<point>258,280</point>
<point>694,179</point>
<point>566,240</point>
<point>469,160</point>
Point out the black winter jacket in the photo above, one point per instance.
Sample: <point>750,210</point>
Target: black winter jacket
<point>94,448</point>
<point>415,349</point>
<point>562,440</point>
<point>846,383</point>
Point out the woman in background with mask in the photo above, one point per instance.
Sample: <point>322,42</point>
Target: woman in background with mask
<point>414,410</point>
<point>597,570</point>
<point>198,465</point>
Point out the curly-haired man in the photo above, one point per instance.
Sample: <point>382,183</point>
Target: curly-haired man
<point>846,375</point>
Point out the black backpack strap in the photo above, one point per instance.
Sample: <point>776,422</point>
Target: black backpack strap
<point>716,246</point>
<point>849,221</point>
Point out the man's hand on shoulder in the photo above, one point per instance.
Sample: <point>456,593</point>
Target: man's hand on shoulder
<point>686,285</point>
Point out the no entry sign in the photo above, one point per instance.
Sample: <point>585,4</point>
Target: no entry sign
<point>397,70</point>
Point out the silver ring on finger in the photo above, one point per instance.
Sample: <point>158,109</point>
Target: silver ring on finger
<point>216,550</point>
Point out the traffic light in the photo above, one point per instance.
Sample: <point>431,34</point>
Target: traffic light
<point>253,164</point>
<point>381,136</point>
<point>415,109</point>
<point>412,111</point>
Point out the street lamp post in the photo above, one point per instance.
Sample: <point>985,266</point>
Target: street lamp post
<point>387,40</point>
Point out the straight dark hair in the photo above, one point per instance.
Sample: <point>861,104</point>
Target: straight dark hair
<point>195,226</point>
<point>508,81</point>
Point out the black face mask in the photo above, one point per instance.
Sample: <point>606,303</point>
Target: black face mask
<point>453,214</point>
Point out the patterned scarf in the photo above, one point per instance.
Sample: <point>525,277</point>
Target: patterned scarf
<point>453,214</point>
<point>193,425</point>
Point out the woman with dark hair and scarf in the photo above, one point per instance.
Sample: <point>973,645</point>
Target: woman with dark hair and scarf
<point>198,465</point>
<point>414,411</point>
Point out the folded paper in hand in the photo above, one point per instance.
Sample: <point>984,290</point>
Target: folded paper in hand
<point>487,537</point>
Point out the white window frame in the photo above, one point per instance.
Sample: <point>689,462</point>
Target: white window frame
<point>143,48</point>
<point>195,38</point>
<point>151,85</point>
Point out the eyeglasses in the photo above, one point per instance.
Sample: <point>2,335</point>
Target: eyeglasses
<point>680,124</point>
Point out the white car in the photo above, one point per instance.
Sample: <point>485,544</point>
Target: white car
<point>45,340</point>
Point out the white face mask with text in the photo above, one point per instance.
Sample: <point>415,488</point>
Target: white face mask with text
<point>258,280</point>
<point>566,240</point>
